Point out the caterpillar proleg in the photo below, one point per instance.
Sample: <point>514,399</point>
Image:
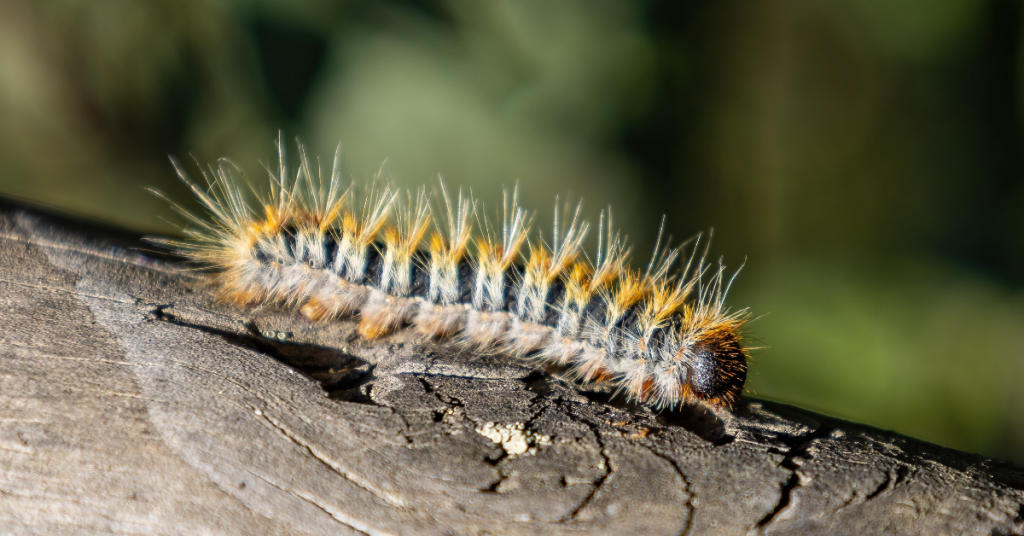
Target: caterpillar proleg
<point>662,336</point>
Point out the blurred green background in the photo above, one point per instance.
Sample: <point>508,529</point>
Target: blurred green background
<point>864,156</point>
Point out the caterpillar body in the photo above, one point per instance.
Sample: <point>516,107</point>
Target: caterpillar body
<point>661,338</point>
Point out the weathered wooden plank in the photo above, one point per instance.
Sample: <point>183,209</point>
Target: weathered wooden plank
<point>132,403</point>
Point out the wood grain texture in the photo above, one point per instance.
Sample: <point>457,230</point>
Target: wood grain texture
<point>132,403</point>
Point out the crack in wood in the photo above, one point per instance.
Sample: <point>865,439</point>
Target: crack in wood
<point>608,470</point>
<point>798,449</point>
<point>308,498</point>
<point>328,462</point>
<point>891,481</point>
<point>452,402</point>
<point>687,485</point>
<point>502,477</point>
<point>57,290</point>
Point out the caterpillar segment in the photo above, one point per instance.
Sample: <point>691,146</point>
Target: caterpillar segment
<point>662,338</point>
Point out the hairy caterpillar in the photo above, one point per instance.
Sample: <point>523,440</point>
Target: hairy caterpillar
<point>662,339</point>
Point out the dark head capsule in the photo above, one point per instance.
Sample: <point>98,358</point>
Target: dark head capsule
<point>718,368</point>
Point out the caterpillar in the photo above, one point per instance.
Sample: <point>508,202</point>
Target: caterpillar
<point>661,338</point>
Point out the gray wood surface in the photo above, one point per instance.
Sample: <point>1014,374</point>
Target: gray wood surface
<point>132,403</point>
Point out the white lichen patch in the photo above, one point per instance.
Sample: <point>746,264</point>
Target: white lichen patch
<point>514,438</point>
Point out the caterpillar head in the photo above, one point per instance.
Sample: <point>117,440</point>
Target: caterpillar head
<point>718,368</point>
